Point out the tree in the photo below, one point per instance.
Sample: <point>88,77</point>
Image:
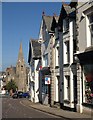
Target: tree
<point>11,85</point>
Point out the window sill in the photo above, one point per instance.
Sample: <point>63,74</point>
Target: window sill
<point>65,32</point>
<point>67,101</point>
<point>56,67</point>
<point>66,65</point>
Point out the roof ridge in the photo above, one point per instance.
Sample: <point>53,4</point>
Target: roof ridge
<point>65,4</point>
<point>47,16</point>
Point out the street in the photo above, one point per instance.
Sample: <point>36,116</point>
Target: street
<point>13,108</point>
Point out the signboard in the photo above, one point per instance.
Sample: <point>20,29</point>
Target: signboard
<point>47,80</point>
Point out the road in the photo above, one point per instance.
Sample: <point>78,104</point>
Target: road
<point>13,108</point>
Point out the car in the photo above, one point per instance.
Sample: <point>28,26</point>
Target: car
<point>15,95</point>
<point>20,93</point>
<point>25,95</point>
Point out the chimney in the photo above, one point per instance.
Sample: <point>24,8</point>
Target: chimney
<point>43,13</point>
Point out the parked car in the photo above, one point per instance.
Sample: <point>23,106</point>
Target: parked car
<point>17,94</point>
<point>25,95</point>
<point>20,93</point>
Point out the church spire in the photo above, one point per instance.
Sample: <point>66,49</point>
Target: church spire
<point>20,55</point>
<point>21,71</point>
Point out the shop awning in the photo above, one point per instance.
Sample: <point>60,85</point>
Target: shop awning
<point>86,57</point>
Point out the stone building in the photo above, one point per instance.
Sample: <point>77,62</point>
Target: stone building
<point>67,38</point>
<point>85,57</point>
<point>10,74</point>
<point>34,61</point>
<point>21,71</point>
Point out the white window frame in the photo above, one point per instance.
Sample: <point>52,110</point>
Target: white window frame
<point>88,32</point>
<point>46,60</point>
<point>57,56</point>
<point>65,25</point>
<point>67,87</point>
<point>66,52</point>
<point>90,27</point>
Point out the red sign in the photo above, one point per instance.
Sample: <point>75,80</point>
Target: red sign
<point>40,67</point>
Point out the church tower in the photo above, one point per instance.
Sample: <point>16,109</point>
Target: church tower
<point>21,71</point>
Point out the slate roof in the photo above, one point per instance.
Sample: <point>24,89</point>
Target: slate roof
<point>36,46</point>
<point>54,22</point>
<point>73,3</point>
<point>48,22</point>
<point>68,8</point>
<point>34,50</point>
<point>56,18</point>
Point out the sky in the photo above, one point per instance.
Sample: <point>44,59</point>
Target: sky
<point>21,22</point>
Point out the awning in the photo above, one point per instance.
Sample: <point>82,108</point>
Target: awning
<point>86,57</point>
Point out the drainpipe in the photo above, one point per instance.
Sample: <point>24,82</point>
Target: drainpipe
<point>61,81</point>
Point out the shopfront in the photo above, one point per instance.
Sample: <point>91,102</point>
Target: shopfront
<point>86,62</point>
<point>45,86</point>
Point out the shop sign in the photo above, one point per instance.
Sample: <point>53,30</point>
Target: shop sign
<point>47,80</point>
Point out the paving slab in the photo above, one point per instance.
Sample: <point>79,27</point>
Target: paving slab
<point>57,111</point>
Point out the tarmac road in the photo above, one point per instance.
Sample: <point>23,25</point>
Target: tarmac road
<point>13,108</point>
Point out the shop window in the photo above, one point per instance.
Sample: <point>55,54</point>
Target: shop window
<point>44,87</point>
<point>88,83</point>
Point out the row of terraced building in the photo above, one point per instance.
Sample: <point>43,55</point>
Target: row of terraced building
<point>61,59</point>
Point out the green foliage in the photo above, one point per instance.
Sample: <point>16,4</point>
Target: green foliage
<point>11,85</point>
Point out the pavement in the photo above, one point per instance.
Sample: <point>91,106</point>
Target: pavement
<point>56,111</point>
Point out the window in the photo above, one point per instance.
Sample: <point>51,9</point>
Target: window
<point>56,34</point>
<point>57,56</point>
<point>65,25</point>
<point>44,87</point>
<point>21,67</point>
<point>91,28</point>
<point>66,52</point>
<point>74,46</point>
<point>8,73</point>
<point>46,59</point>
<point>88,83</point>
<point>67,87</point>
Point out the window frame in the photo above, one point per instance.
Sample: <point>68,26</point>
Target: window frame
<point>65,25</point>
